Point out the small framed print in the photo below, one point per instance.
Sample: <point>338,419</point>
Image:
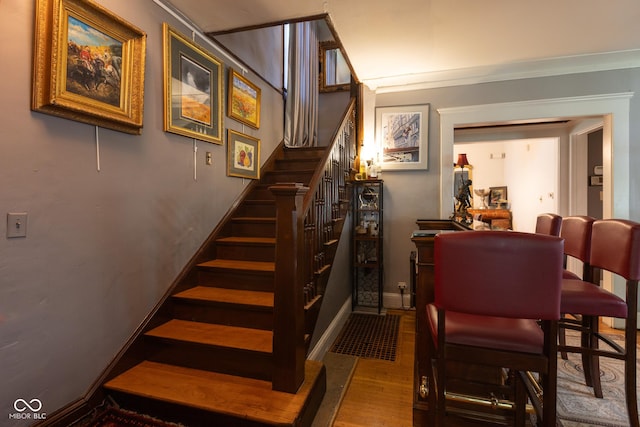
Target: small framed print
<point>243,155</point>
<point>497,197</point>
<point>244,100</point>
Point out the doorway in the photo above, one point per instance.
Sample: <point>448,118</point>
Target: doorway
<point>613,108</point>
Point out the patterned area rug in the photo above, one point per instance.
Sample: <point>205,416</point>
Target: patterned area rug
<point>369,336</point>
<point>577,405</point>
<point>111,416</point>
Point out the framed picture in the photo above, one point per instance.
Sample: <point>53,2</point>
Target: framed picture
<point>244,100</point>
<point>88,65</point>
<point>243,155</point>
<point>497,197</point>
<point>402,135</point>
<point>335,74</point>
<point>192,89</point>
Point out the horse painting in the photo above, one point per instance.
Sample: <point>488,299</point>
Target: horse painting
<point>94,62</point>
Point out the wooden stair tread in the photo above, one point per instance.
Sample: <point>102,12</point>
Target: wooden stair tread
<point>235,264</point>
<point>231,296</point>
<point>216,335</point>
<point>238,397</point>
<point>264,241</point>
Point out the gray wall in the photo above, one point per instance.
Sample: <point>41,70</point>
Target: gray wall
<point>102,246</point>
<point>415,194</point>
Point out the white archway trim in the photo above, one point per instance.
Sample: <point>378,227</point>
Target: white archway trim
<point>613,107</point>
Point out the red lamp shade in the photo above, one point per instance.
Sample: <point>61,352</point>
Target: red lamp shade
<point>462,160</point>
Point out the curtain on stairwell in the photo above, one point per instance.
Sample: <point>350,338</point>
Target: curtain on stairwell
<point>301,105</point>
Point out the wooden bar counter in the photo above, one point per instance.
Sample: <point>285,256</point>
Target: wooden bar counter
<point>475,394</point>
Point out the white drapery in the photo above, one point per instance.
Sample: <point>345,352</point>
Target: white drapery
<point>301,105</point>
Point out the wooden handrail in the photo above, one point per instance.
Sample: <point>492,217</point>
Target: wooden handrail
<point>305,231</point>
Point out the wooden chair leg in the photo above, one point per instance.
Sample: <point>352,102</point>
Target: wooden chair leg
<point>520,399</point>
<point>562,340</point>
<point>549,397</point>
<point>432,399</point>
<point>441,404</point>
<point>592,361</point>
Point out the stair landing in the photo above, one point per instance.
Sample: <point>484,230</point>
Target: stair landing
<point>233,397</point>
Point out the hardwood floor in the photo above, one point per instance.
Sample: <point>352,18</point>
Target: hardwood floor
<point>380,392</point>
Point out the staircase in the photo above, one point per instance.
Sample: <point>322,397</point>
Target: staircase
<point>228,346</point>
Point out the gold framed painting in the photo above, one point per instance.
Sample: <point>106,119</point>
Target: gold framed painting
<point>192,89</point>
<point>88,65</point>
<point>243,155</point>
<point>244,100</point>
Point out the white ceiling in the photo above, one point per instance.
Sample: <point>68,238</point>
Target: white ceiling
<point>390,42</point>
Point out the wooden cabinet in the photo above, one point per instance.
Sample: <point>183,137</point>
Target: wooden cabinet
<point>495,219</point>
<point>367,254</point>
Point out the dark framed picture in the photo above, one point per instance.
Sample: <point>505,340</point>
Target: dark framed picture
<point>497,197</point>
<point>88,65</point>
<point>243,155</point>
<point>244,100</point>
<point>192,89</point>
<point>402,135</point>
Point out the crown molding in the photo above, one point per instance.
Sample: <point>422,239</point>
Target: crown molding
<point>512,71</point>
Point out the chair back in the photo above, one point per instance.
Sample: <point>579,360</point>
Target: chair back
<point>576,232</point>
<point>615,247</point>
<point>499,273</point>
<point>548,223</point>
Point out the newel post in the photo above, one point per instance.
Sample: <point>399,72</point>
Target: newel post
<point>289,351</point>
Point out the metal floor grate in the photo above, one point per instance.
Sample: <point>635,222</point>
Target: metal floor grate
<point>369,336</point>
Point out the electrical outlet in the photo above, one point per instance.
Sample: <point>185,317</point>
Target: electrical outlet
<point>402,285</point>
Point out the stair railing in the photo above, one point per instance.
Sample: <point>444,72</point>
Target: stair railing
<point>305,221</point>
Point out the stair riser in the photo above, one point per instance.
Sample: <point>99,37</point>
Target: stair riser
<point>186,415</point>
<point>260,210</point>
<point>253,229</point>
<point>246,252</point>
<point>261,192</point>
<point>297,164</point>
<point>223,360</point>
<point>224,314</point>
<point>283,176</point>
<point>236,279</point>
<point>294,153</point>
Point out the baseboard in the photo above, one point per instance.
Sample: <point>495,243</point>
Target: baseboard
<point>331,333</point>
<point>394,300</point>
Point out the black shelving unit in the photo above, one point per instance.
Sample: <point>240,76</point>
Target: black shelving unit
<point>367,254</point>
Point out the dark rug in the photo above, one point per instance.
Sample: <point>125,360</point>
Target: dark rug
<point>116,417</point>
<point>369,336</point>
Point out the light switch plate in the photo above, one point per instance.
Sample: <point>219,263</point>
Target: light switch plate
<point>17,224</point>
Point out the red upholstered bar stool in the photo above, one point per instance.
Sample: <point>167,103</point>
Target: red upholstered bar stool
<point>615,247</point>
<point>576,232</point>
<point>548,223</point>
<point>487,313</point>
